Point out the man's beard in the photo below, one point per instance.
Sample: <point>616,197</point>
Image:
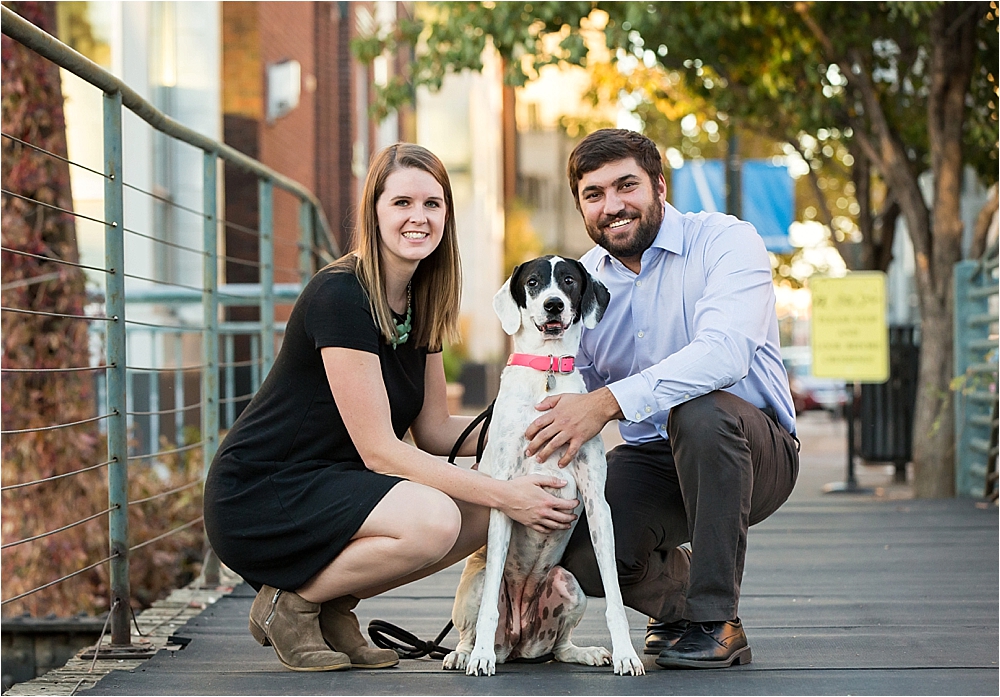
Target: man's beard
<point>645,232</point>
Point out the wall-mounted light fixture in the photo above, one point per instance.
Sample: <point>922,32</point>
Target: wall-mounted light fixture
<point>284,85</point>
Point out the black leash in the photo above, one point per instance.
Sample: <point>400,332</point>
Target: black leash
<point>487,417</point>
<point>388,636</point>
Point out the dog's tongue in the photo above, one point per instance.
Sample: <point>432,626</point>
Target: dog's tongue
<point>552,326</point>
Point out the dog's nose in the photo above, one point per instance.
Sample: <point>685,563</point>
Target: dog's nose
<point>553,306</point>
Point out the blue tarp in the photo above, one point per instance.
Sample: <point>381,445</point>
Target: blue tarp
<point>768,196</point>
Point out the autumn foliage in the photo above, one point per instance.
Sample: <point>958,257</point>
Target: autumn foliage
<point>33,112</point>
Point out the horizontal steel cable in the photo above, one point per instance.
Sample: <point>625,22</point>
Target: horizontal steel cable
<point>55,260</point>
<point>287,269</point>
<point>180,369</point>
<point>58,426</point>
<point>193,250</point>
<point>57,476</point>
<point>282,242</point>
<point>227,400</point>
<point>194,522</point>
<point>60,580</point>
<point>240,228</point>
<point>65,527</point>
<point>175,284</point>
<point>57,370</point>
<point>235,260</point>
<point>189,407</point>
<point>58,314</point>
<point>162,494</point>
<point>132,458</point>
<point>57,208</point>
<point>34,280</point>
<point>58,157</point>
<point>241,364</point>
<point>174,327</point>
<point>166,200</point>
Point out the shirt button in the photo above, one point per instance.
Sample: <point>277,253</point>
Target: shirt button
<point>649,409</point>
<point>638,283</point>
<point>687,396</point>
<point>641,334</point>
<point>638,416</point>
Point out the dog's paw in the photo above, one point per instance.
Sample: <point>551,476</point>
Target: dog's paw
<point>584,655</point>
<point>455,661</point>
<point>482,662</point>
<point>628,664</point>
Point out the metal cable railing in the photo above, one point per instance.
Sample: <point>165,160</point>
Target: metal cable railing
<point>145,412</point>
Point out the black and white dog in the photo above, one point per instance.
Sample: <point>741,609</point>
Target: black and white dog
<point>513,600</point>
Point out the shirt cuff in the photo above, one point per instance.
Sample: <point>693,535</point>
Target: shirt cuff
<point>635,398</point>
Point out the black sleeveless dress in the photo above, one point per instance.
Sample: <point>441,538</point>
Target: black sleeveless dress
<point>287,489</point>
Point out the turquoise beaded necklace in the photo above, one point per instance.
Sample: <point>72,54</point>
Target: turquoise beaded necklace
<point>403,328</point>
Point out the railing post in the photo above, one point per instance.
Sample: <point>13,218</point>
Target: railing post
<point>210,339</point>
<point>305,241</point>
<point>114,261</point>
<point>266,207</point>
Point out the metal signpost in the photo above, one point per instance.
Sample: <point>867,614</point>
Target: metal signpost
<point>850,341</point>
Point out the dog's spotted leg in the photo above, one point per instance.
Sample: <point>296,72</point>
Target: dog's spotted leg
<point>557,610</point>
<point>590,481</point>
<point>466,610</point>
<point>482,660</point>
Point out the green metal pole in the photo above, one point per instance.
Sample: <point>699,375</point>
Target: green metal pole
<point>114,261</point>
<point>210,339</point>
<point>266,196</point>
<point>305,241</point>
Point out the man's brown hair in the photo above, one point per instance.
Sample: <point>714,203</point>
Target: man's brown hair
<point>611,145</point>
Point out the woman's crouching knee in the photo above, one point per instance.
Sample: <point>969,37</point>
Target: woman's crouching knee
<point>436,522</point>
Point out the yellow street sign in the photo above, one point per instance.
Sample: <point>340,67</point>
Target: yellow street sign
<point>850,338</point>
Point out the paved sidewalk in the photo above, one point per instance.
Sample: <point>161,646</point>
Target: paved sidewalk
<point>842,594</point>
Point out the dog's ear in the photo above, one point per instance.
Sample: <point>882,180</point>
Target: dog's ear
<point>594,301</point>
<point>506,307</point>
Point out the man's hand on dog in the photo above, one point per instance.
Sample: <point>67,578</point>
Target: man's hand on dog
<point>536,508</point>
<point>570,420</point>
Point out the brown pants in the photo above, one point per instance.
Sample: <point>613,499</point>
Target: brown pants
<point>727,466</point>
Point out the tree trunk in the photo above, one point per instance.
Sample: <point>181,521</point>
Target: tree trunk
<point>953,45</point>
<point>934,421</point>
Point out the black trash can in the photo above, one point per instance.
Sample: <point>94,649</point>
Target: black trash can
<point>886,410</point>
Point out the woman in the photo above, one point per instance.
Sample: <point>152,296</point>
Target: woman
<point>313,497</point>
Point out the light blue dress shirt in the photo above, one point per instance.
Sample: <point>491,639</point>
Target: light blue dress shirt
<point>698,317</point>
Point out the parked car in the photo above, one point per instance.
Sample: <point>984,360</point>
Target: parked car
<point>808,391</point>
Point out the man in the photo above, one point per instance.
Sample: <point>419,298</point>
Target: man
<point>687,359</point>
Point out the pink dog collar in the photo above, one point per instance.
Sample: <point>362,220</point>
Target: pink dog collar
<point>548,364</point>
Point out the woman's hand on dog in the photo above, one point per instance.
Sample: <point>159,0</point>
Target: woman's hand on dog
<point>530,505</point>
<point>569,420</point>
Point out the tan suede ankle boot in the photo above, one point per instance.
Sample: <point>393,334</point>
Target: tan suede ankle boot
<point>342,632</point>
<point>290,624</point>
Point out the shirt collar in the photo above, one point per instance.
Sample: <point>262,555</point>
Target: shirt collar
<point>671,234</point>
<point>670,238</point>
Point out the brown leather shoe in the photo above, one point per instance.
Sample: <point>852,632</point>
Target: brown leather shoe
<point>708,645</point>
<point>663,635</point>
<point>342,632</point>
<point>290,624</point>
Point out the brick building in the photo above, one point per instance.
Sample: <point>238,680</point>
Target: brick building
<point>325,141</point>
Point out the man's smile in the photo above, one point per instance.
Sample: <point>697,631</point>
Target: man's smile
<point>620,223</point>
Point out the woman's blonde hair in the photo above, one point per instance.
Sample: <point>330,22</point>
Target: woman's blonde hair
<point>437,283</point>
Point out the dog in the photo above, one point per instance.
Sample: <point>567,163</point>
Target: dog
<point>521,604</point>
